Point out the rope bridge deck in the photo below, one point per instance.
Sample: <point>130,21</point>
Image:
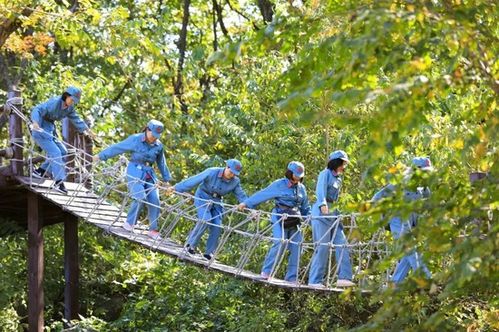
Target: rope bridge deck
<point>90,207</point>
<point>245,236</point>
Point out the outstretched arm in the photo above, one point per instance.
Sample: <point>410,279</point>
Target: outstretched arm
<point>193,181</point>
<point>79,124</point>
<point>116,149</point>
<point>262,196</point>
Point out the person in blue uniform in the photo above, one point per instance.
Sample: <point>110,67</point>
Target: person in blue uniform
<point>327,230</point>
<point>399,226</point>
<point>212,185</point>
<point>43,118</point>
<point>290,197</point>
<point>146,150</point>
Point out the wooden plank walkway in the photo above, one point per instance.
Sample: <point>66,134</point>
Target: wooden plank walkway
<point>86,205</point>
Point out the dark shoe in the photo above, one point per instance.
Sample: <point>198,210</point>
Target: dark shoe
<point>190,250</point>
<point>207,256</point>
<point>59,186</point>
<point>39,173</point>
<point>264,276</point>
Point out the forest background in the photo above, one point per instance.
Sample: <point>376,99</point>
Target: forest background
<point>268,82</point>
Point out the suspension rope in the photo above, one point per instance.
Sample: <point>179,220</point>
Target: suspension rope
<point>177,215</point>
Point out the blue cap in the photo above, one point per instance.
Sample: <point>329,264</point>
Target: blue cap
<point>297,168</point>
<point>423,163</point>
<point>75,93</point>
<point>155,127</point>
<point>234,165</point>
<point>339,154</point>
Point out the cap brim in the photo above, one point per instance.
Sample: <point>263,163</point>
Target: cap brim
<point>236,172</point>
<point>155,134</point>
<point>428,168</point>
<point>300,175</point>
<point>76,100</point>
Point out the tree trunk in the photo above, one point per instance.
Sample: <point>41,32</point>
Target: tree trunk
<point>267,9</point>
<point>214,26</point>
<point>178,87</point>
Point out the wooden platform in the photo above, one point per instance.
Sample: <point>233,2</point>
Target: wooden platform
<point>86,205</point>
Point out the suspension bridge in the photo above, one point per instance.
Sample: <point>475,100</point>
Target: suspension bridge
<point>97,194</point>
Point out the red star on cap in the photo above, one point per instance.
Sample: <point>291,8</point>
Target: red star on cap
<point>158,130</point>
<point>299,169</point>
<point>238,167</point>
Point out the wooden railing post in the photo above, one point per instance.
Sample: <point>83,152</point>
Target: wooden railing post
<point>16,135</point>
<point>88,146</point>
<point>68,135</point>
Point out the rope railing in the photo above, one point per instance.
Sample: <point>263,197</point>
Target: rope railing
<point>245,235</point>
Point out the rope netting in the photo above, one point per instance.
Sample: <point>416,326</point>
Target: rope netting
<point>246,236</point>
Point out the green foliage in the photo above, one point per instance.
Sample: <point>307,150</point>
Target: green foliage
<point>383,80</point>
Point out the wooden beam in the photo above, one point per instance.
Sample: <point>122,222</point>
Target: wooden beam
<point>71,267</point>
<point>35,265</point>
<point>88,145</point>
<point>16,135</point>
<point>68,135</point>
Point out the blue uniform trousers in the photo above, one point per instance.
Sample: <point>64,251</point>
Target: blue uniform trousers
<point>411,261</point>
<point>55,154</point>
<point>323,230</point>
<point>143,191</point>
<point>279,233</point>
<point>208,213</point>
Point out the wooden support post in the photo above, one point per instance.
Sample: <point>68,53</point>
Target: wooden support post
<point>68,134</point>
<point>35,264</point>
<point>71,267</point>
<point>16,135</point>
<point>88,145</point>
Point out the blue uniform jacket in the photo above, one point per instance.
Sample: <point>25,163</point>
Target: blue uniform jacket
<point>327,191</point>
<point>420,193</point>
<point>46,113</point>
<point>328,187</point>
<point>143,156</point>
<point>212,185</point>
<point>284,193</point>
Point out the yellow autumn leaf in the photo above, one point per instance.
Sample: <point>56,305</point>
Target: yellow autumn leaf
<point>398,150</point>
<point>458,144</point>
<point>484,166</point>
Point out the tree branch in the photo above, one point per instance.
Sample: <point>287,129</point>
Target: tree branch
<point>10,25</point>
<point>118,96</point>
<point>485,68</point>
<point>218,10</point>
<point>182,45</point>
<point>242,14</point>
